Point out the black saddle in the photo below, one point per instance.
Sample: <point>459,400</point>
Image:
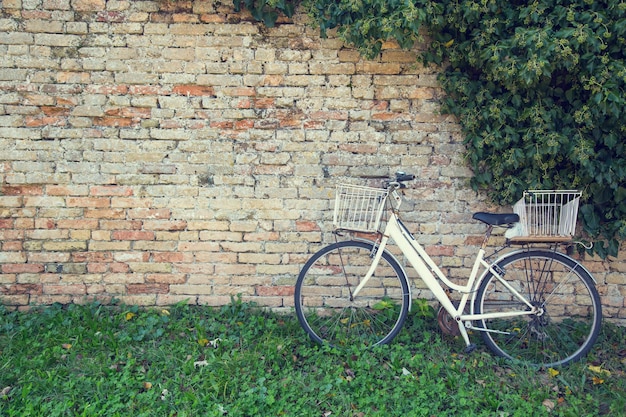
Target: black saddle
<point>493,219</point>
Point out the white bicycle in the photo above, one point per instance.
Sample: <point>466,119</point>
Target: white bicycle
<point>533,304</point>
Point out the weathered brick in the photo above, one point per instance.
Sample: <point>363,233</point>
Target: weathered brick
<point>191,289</point>
<point>15,300</point>
<point>88,5</point>
<point>132,235</point>
<point>275,290</point>
<point>148,288</point>
<point>159,151</point>
<point>73,289</point>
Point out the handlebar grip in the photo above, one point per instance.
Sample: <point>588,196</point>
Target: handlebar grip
<point>401,176</point>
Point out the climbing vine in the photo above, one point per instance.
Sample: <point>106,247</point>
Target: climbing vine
<point>538,87</point>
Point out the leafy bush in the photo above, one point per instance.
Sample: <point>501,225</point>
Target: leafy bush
<point>266,11</point>
<point>538,88</point>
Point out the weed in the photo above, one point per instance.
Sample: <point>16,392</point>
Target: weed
<point>240,360</point>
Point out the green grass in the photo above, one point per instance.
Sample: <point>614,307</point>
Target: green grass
<point>100,360</point>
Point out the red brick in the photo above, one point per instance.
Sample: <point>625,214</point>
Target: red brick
<point>7,234</point>
<point>212,18</point>
<point>244,124</point>
<point>194,90</point>
<point>148,288</point>
<point>119,268</point>
<point>22,190</point>
<point>222,125</point>
<point>65,101</point>
<point>98,202</point>
<point>96,268</point>
<point>286,123</point>
<point>12,246</point>
<point>55,111</point>
<point>171,124</point>
<point>92,257</point>
<point>22,268</point>
<point>307,226</point>
<point>16,289</point>
<point>244,104</point>
<point>7,223</point>
<point>275,290</point>
<point>71,77</point>
<point>129,112</point>
<point>166,278</point>
<point>110,16</point>
<point>184,18</point>
<point>314,124</point>
<point>36,14</point>
<point>440,250</point>
<point>264,103</point>
<point>112,121</point>
<point>385,116</point>
<point>474,240</point>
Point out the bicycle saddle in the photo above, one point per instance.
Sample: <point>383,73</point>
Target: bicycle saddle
<point>493,219</point>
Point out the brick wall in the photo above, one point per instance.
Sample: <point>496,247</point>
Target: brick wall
<point>154,152</point>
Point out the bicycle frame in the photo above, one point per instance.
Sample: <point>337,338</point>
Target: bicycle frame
<point>423,264</point>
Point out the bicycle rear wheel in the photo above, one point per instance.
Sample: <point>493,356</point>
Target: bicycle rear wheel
<point>324,300</point>
<point>569,315</point>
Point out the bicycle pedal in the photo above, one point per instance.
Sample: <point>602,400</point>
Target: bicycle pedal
<point>470,348</point>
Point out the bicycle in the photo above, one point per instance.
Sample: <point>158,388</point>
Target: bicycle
<point>532,304</point>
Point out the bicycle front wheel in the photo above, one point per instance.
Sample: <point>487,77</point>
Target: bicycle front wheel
<point>569,312</point>
<point>328,308</point>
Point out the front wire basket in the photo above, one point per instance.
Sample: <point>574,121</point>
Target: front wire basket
<point>358,208</point>
<point>547,215</point>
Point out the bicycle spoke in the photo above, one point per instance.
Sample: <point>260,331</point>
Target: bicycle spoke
<point>568,317</point>
<point>325,301</point>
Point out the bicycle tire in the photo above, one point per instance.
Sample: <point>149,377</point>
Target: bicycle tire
<point>323,302</point>
<point>571,315</point>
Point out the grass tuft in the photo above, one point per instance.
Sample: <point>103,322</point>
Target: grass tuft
<point>240,360</point>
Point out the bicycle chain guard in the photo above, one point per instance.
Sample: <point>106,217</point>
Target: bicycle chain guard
<point>447,323</point>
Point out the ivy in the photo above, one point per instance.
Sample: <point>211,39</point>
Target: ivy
<point>538,87</point>
<point>266,11</point>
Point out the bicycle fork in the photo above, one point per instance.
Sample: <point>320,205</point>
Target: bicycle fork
<point>380,248</point>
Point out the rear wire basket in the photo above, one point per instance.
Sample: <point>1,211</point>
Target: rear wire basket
<point>358,208</point>
<point>547,215</point>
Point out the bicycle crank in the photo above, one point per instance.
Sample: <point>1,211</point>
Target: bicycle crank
<point>447,323</point>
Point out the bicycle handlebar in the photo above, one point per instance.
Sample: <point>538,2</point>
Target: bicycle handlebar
<point>401,177</point>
